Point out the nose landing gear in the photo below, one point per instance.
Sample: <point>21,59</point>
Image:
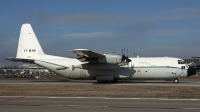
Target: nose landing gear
<point>176,80</point>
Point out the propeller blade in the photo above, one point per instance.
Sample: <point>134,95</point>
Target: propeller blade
<point>124,51</point>
<point>127,52</point>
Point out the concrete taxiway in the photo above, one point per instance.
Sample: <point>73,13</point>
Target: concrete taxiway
<point>82,104</point>
<point>87,82</point>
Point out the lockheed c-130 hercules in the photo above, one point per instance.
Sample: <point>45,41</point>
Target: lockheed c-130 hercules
<point>88,64</point>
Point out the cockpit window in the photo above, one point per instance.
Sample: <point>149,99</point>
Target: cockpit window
<point>181,62</point>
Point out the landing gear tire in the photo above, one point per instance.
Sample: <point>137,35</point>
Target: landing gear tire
<point>99,81</point>
<point>115,80</point>
<point>176,80</point>
<point>107,81</point>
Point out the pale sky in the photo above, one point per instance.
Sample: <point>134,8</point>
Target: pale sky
<point>149,28</point>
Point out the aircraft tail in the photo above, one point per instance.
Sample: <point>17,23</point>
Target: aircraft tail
<point>28,46</point>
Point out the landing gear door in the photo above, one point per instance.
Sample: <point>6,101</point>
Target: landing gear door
<point>82,73</point>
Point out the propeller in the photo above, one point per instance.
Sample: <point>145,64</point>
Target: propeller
<point>125,59</point>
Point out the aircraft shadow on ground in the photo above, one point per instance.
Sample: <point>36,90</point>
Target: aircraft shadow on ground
<point>50,81</point>
<point>138,82</point>
<point>109,83</point>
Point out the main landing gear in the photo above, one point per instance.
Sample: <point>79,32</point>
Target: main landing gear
<point>107,81</point>
<point>176,80</point>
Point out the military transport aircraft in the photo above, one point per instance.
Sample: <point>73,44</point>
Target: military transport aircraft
<point>89,64</point>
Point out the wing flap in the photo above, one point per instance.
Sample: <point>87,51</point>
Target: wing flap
<point>85,55</point>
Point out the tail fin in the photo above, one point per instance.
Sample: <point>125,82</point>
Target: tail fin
<point>28,46</point>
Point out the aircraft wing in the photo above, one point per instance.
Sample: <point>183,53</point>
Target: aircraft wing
<point>19,59</point>
<point>85,55</point>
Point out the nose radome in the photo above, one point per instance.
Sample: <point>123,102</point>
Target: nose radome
<point>191,71</point>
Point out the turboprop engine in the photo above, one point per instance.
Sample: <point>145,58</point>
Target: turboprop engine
<point>111,58</point>
<point>85,55</point>
<point>107,62</point>
<point>114,59</point>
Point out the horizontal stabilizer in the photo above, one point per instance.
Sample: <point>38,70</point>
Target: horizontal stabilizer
<point>19,59</point>
<point>62,68</point>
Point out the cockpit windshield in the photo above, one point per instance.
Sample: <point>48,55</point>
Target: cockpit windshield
<point>181,62</point>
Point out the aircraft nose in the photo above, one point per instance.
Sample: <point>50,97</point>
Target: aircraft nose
<point>191,71</point>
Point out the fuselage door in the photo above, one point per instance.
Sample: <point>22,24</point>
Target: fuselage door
<point>139,70</point>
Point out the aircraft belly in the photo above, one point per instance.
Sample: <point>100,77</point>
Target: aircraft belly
<point>93,74</point>
<point>81,73</point>
<point>123,73</point>
<point>155,73</point>
<point>52,67</point>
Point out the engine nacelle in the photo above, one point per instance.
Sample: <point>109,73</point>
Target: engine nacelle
<point>111,58</point>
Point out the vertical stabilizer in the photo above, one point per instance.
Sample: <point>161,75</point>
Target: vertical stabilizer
<point>28,46</point>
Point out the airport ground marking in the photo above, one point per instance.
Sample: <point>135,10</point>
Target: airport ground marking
<point>13,99</point>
